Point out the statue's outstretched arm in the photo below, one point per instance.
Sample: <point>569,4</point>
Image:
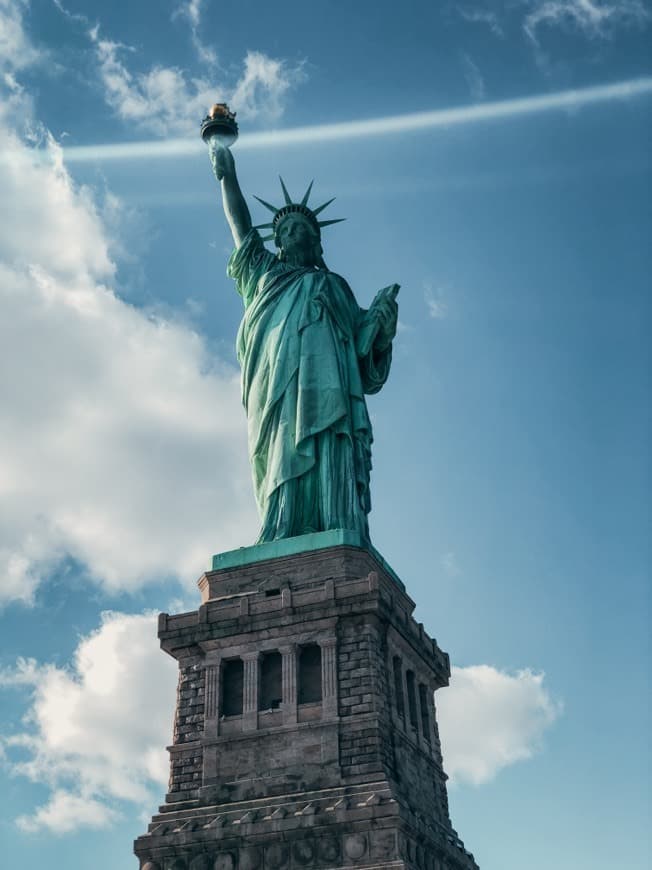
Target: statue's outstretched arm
<point>235,207</point>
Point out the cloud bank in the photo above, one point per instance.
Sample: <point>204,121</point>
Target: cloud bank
<point>117,426</point>
<point>97,731</point>
<point>123,438</point>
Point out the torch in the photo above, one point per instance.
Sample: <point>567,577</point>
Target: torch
<point>219,126</point>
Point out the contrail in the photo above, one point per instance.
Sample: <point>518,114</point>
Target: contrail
<point>390,125</point>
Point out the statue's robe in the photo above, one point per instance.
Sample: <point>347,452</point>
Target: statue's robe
<point>306,365</point>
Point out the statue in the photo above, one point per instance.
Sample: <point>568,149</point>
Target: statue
<point>309,354</point>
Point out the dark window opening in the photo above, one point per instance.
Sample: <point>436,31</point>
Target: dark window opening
<point>232,687</point>
<point>309,674</point>
<point>270,592</point>
<point>398,686</point>
<point>271,681</point>
<point>425,716</point>
<point>412,698</point>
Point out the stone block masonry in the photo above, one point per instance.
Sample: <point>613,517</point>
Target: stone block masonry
<point>305,731</point>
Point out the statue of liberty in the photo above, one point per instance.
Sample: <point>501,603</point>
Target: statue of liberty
<point>309,354</point>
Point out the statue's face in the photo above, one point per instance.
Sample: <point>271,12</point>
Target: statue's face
<point>296,235</point>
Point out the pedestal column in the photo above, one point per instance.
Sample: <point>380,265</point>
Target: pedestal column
<point>329,676</point>
<point>211,699</point>
<point>289,680</point>
<point>250,692</point>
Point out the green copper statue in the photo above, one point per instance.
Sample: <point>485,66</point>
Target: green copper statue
<point>309,354</point>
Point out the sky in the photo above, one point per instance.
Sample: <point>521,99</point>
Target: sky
<point>493,159</point>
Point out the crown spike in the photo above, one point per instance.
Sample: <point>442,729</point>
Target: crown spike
<point>316,211</point>
<point>328,223</point>
<point>304,201</point>
<point>272,208</point>
<point>268,226</point>
<point>288,198</point>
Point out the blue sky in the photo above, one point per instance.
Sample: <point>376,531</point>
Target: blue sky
<point>511,457</point>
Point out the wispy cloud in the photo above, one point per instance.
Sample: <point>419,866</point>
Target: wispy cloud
<point>435,301</point>
<point>482,15</point>
<point>387,126</point>
<point>593,18</point>
<point>474,78</point>
<point>263,86</point>
<point>191,11</point>
<point>515,711</point>
<point>590,18</point>
<point>71,16</point>
<point>162,100</point>
<point>166,100</point>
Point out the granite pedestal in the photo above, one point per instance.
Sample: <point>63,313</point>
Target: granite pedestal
<point>305,732</point>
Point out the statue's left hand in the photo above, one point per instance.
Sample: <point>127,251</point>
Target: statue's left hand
<point>386,312</point>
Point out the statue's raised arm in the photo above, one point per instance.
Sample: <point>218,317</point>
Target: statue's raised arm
<point>235,207</point>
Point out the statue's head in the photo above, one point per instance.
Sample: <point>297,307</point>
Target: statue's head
<point>298,239</point>
<point>296,230</point>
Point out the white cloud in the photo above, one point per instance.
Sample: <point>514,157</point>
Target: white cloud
<point>592,18</point>
<point>191,11</point>
<point>263,86</point>
<point>474,78</point>
<point>515,710</point>
<point>166,101</point>
<point>123,438</point>
<point>95,732</point>
<point>66,812</point>
<point>16,50</point>
<point>482,15</point>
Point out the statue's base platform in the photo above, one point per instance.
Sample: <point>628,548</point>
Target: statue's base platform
<point>311,543</point>
<point>305,731</point>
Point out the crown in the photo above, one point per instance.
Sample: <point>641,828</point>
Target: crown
<point>294,208</point>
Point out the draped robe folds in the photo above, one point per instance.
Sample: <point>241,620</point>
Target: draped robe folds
<point>304,376</point>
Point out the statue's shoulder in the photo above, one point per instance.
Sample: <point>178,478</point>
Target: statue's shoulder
<point>336,279</point>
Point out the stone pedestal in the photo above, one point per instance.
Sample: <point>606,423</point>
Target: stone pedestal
<point>305,732</point>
